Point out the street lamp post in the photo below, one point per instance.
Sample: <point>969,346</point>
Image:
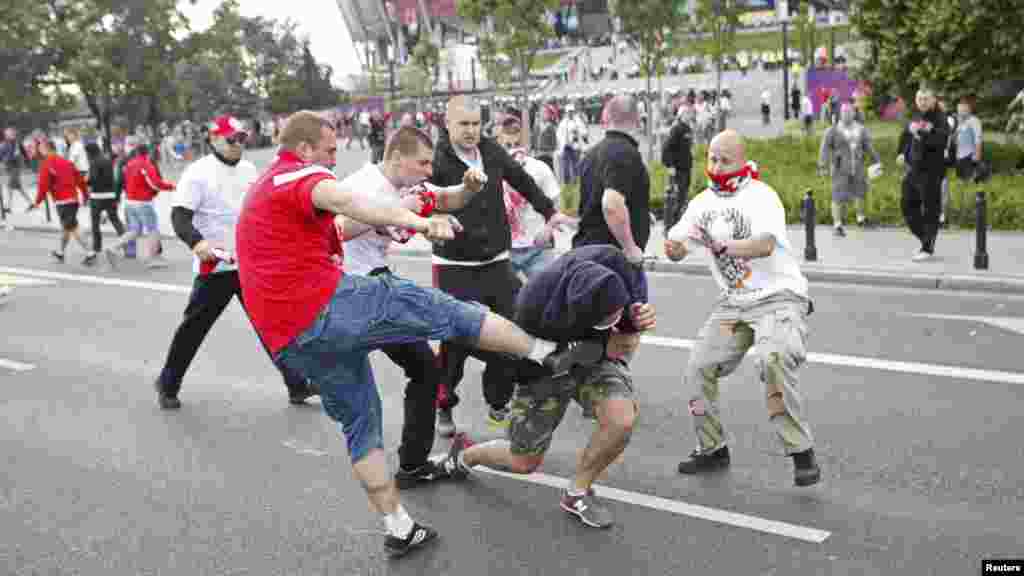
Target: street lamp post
<point>785,67</point>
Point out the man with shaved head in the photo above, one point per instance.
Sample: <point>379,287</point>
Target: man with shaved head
<point>615,186</point>
<point>742,224</point>
<point>475,266</point>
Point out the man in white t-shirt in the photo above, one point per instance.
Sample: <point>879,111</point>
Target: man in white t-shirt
<point>532,240</point>
<point>741,222</point>
<point>206,205</point>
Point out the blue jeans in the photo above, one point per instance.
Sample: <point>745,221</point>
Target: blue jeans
<point>368,313</point>
<point>530,260</point>
<point>141,219</point>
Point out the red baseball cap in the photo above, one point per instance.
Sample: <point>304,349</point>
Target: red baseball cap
<point>227,126</point>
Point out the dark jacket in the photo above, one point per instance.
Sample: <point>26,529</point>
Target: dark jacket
<point>926,156</point>
<point>556,306</point>
<point>486,231</point>
<point>101,176</point>
<point>677,151</point>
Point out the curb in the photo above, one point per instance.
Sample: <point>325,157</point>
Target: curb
<point>945,282</point>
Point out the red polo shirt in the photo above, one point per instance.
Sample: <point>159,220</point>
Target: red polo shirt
<point>142,180</point>
<point>284,246</point>
<point>58,176</point>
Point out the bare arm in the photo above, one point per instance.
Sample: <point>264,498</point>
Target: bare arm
<point>333,196</point>
<point>616,214</point>
<point>349,228</point>
<point>760,246</point>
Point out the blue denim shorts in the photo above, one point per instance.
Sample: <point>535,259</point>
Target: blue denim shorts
<point>530,260</point>
<point>141,218</point>
<point>365,314</point>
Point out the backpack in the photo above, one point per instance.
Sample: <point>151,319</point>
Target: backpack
<point>548,138</point>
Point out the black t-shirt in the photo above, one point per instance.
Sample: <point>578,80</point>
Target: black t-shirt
<point>614,163</point>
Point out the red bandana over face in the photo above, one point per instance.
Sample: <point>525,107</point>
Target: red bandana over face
<point>728,183</point>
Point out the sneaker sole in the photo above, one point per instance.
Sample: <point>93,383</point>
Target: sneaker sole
<point>582,518</point>
<point>809,479</point>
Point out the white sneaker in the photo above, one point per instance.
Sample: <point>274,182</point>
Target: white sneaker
<point>922,256</point>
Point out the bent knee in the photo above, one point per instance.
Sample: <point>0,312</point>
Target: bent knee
<point>618,414</point>
<point>526,464</point>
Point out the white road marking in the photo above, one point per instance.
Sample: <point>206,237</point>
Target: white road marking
<point>9,280</point>
<point>157,287</point>
<point>794,531</point>
<point>303,450</point>
<point>939,370</point>
<point>1008,323</point>
<point>16,366</point>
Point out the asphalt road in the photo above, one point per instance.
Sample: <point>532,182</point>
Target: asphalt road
<point>917,423</point>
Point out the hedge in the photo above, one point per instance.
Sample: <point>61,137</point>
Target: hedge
<point>789,164</point>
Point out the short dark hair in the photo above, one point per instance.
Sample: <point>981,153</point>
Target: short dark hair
<point>407,141</point>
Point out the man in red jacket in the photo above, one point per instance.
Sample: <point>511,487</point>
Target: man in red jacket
<point>142,182</point>
<point>59,178</point>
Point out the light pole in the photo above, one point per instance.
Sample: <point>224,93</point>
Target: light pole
<point>785,66</point>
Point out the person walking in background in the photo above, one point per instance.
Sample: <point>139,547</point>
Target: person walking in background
<point>844,149</point>
<point>965,147</point>
<point>14,159</point>
<point>677,156</point>
<point>103,198</point>
<point>142,182</point>
<point>59,178</point>
<point>922,149</point>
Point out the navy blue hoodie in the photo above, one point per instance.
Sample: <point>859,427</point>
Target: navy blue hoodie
<point>565,300</point>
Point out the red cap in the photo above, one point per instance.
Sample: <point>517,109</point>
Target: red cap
<point>226,126</point>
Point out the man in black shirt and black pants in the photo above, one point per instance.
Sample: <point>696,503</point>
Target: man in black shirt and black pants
<point>677,156</point>
<point>922,149</point>
<point>475,265</point>
<point>615,187</point>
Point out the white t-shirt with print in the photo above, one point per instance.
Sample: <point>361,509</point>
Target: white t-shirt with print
<point>368,251</point>
<point>523,220</point>
<point>754,210</point>
<point>214,191</point>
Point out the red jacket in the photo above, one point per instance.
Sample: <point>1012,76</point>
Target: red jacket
<point>58,177</point>
<point>142,180</point>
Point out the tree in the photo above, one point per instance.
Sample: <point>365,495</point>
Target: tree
<point>516,29</point>
<point>25,96</point>
<point>645,24</point>
<point>425,58</point>
<point>959,47</point>
<point>805,34</point>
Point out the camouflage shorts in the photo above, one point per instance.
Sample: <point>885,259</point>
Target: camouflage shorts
<point>534,419</point>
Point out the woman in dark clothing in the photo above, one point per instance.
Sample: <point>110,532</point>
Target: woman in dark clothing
<point>104,197</point>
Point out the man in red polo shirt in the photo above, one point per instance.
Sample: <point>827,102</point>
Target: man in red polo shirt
<point>59,178</point>
<point>322,323</point>
<point>142,182</point>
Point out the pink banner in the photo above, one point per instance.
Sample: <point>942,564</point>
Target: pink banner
<point>406,9</point>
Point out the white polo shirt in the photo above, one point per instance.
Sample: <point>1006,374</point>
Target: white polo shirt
<point>214,191</point>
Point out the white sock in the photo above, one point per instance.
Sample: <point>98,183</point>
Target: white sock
<point>398,524</point>
<point>541,348</point>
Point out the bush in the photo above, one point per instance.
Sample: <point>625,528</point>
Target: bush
<point>789,164</point>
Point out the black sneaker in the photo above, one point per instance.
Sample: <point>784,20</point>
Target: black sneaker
<point>806,471</point>
<point>867,224</point>
<point>839,232</point>
<point>299,397</point>
<point>58,256</point>
<point>165,400</point>
<point>418,536</point>
<point>89,260</point>
<point>702,463</point>
<point>428,472</point>
<point>583,353</point>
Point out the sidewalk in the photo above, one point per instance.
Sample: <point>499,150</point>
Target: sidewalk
<point>878,257</point>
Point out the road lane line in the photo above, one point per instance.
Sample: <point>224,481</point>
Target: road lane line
<point>16,366</point>
<point>794,531</point>
<point>85,279</point>
<point>939,370</point>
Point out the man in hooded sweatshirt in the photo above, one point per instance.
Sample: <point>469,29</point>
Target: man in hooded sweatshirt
<point>589,297</point>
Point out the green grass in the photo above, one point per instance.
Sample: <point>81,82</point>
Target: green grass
<point>765,41</point>
<point>542,61</point>
<point>789,165</point>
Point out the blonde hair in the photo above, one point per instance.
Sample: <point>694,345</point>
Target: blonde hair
<point>303,126</point>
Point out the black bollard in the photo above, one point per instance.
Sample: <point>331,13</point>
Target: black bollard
<point>981,231</point>
<point>810,216</point>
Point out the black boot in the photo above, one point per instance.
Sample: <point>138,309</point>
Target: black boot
<point>701,463</point>
<point>805,468</point>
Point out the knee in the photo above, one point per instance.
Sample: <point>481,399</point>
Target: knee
<point>618,415</point>
<point>525,463</point>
